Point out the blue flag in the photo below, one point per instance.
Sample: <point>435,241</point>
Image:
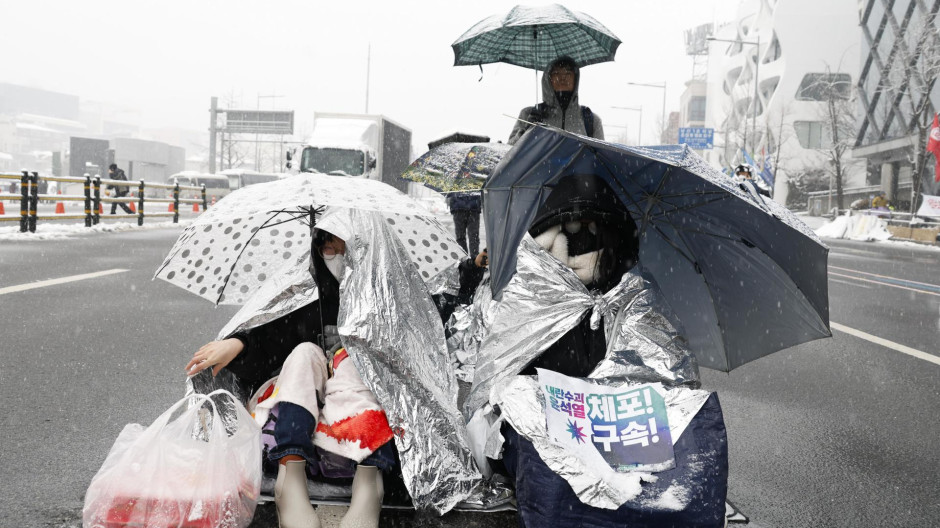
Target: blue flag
<point>767,174</point>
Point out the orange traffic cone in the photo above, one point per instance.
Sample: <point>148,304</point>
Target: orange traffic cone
<point>101,208</point>
<point>170,209</point>
<point>133,208</point>
<point>59,208</point>
<point>195,208</point>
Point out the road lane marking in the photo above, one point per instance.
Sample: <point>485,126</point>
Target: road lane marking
<point>857,285</point>
<point>61,280</point>
<point>884,342</point>
<point>884,283</point>
<point>927,284</point>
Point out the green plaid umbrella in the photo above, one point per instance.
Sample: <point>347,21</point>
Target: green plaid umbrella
<point>532,37</point>
<point>456,167</point>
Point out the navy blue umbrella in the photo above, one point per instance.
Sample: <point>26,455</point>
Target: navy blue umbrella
<point>745,276</point>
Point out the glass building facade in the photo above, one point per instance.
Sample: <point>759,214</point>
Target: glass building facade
<point>900,63</point>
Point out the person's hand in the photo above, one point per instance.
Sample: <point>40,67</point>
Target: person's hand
<point>215,354</point>
<point>482,260</point>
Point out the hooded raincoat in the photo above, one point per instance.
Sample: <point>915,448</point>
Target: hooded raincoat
<point>553,113</point>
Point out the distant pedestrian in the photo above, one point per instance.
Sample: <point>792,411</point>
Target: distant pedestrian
<point>465,208</point>
<point>744,173</point>
<point>119,191</point>
<point>560,107</point>
<point>880,201</point>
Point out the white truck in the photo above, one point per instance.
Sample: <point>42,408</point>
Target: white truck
<point>359,145</point>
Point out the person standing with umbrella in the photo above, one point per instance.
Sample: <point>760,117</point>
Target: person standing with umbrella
<point>560,106</point>
<point>552,39</point>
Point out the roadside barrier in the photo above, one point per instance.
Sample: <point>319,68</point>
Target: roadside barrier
<point>901,225</point>
<point>94,203</point>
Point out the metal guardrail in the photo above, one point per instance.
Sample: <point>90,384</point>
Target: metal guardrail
<point>820,202</point>
<point>29,199</point>
<point>892,217</point>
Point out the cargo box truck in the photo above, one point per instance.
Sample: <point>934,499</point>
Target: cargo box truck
<point>358,145</point>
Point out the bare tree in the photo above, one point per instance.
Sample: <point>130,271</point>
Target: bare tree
<point>912,78</point>
<point>836,93</point>
<point>233,152</point>
<point>733,130</point>
<point>778,133</point>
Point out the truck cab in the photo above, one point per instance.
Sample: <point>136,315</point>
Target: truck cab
<point>337,160</point>
<point>359,146</point>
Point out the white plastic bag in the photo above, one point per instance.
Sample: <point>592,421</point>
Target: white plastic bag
<point>191,468</point>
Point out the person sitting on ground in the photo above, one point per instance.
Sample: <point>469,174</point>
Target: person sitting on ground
<point>583,226</point>
<point>351,424</point>
<point>560,107</point>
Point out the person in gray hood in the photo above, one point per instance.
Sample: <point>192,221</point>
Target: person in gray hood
<point>560,107</point>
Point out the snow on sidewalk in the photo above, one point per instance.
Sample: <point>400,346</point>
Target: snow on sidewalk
<point>49,231</point>
<point>866,228</point>
<point>856,227</point>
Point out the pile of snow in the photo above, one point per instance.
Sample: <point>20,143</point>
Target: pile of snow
<point>856,227</point>
<point>61,231</point>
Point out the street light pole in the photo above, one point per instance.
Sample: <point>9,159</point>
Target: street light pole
<point>663,86</point>
<point>639,132</point>
<point>756,81</point>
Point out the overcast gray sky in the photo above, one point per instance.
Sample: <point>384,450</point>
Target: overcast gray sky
<point>168,57</point>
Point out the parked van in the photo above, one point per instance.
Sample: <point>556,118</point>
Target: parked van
<point>238,178</point>
<point>217,185</point>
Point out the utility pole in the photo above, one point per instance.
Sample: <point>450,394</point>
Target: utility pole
<point>368,71</point>
<point>213,113</point>
<point>663,87</point>
<point>639,132</point>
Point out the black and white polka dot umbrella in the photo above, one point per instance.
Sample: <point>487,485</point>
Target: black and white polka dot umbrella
<point>231,250</point>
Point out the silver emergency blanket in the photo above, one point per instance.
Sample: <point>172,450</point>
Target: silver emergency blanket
<point>545,299</point>
<point>287,291</point>
<point>292,286</point>
<point>392,331</point>
<point>542,302</point>
<point>522,404</point>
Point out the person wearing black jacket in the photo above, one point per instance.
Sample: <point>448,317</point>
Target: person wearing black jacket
<point>465,208</point>
<point>258,354</point>
<point>119,191</point>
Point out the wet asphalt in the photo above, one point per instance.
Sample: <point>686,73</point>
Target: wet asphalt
<point>839,432</point>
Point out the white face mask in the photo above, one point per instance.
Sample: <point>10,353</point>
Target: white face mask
<point>337,266</point>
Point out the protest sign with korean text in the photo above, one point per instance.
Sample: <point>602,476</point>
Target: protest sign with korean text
<point>624,427</point>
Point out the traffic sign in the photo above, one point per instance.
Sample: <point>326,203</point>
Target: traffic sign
<point>697,138</point>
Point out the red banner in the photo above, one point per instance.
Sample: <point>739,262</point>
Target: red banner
<point>933,145</point>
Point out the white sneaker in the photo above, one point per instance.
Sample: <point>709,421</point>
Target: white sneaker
<point>365,506</point>
<point>290,496</point>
